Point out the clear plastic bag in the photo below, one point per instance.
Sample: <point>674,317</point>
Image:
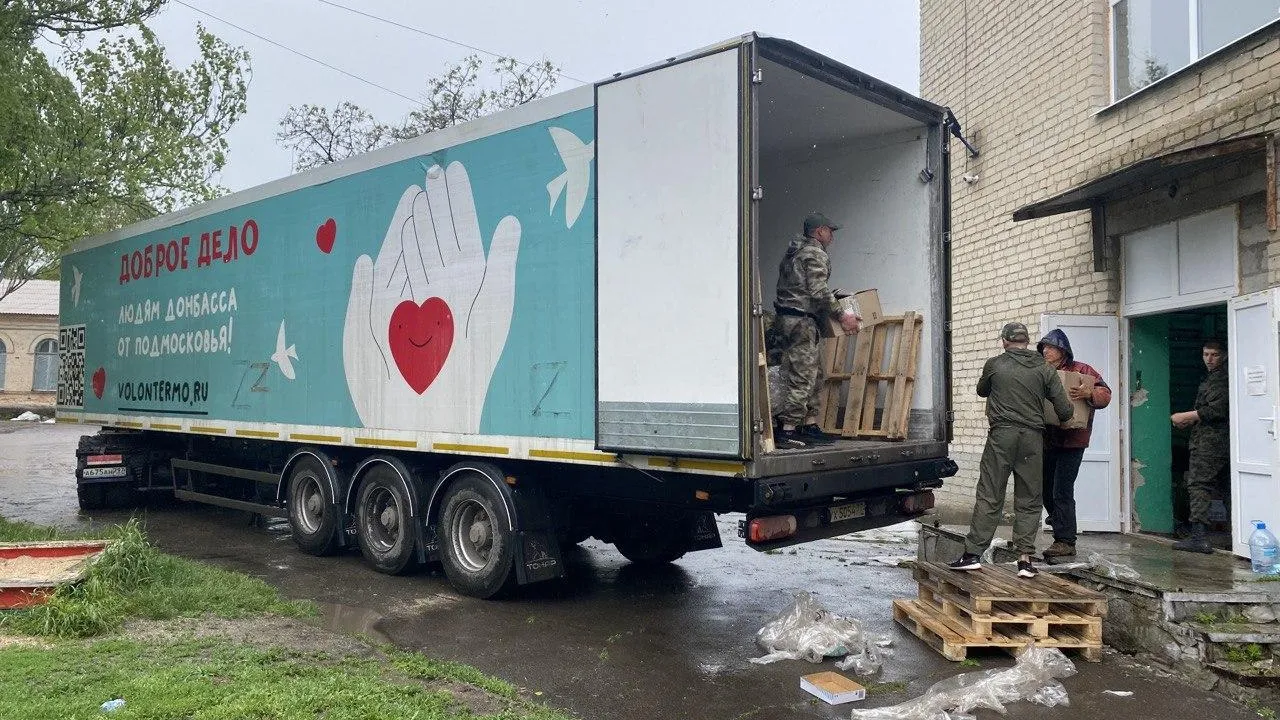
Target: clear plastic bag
<point>1114,570</point>
<point>1034,678</point>
<point>863,663</point>
<point>989,555</point>
<point>806,630</point>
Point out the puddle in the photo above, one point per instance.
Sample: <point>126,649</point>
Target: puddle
<point>350,619</point>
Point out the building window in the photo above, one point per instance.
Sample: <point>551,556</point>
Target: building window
<point>46,374</point>
<point>1154,38</point>
<point>4,355</point>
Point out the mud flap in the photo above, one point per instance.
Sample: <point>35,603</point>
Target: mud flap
<point>537,557</point>
<point>706,534</point>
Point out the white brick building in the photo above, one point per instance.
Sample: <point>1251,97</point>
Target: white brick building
<point>29,344</point>
<point>1133,141</point>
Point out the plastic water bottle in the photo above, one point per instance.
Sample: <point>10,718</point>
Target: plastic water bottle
<point>1262,550</point>
<point>112,705</point>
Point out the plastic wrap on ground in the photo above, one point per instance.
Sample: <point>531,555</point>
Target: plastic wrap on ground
<point>1034,678</point>
<point>1114,570</point>
<point>989,555</point>
<point>806,630</point>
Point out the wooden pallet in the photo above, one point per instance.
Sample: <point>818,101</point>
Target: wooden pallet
<point>1005,616</point>
<point>979,591</point>
<point>953,640</point>
<point>883,355</point>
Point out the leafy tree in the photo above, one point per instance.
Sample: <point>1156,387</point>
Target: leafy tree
<point>319,136</point>
<point>107,133</point>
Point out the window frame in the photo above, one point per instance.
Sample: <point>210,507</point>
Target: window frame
<point>1193,38</point>
<point>36,356</point>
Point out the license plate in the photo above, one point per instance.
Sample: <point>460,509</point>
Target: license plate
<point>848,512</point>
<point>104,472</point>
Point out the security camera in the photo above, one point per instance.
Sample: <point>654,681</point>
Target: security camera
<point>969,178</point>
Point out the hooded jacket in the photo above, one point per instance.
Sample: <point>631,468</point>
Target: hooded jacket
<point>1016,385</point>
<point>1057,437</point>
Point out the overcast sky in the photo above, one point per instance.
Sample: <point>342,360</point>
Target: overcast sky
<point>589,39</point>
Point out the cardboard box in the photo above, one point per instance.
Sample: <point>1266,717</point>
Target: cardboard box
<point>1080,417</point>
<point>832,687</point>
<point>864,302</point>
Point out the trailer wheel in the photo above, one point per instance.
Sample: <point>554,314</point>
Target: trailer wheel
<point>478,552</point>
<point>646,543</point>
<point>92,497</point>
<point>313,513</point>
<point>383,523</point>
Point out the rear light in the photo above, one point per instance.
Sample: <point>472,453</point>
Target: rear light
<point>917,502</point>
<point>103,459</point>
<point>774,527</point>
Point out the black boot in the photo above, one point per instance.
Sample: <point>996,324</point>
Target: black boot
<point>1195,542</point>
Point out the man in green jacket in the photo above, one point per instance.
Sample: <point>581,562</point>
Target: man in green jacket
<point>1015,384</point>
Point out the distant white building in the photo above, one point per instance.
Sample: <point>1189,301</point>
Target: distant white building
<point>29,344</point>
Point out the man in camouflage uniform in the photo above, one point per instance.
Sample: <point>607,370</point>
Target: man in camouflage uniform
<point>1015,384</point>
<point>805,299</point>
<point>1210,456</point>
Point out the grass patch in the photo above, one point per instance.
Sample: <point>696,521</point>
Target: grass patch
<point>970,663</point>
<point>1247,653</point>
<point>133,579</point>
<point>214,678</point>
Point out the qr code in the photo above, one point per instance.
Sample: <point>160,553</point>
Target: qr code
<point>71,366</point>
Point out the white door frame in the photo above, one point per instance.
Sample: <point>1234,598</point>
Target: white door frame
<point>1109,371</point>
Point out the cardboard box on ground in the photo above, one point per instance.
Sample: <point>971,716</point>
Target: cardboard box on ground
<point>1080,415</point>
<point>864,302</point>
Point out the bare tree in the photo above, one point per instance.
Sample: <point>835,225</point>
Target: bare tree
<point>319,136</point>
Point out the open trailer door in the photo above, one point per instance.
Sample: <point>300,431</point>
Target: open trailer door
<point>671,268</point>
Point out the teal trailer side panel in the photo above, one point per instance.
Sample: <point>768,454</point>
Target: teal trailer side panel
<point>451,291</point>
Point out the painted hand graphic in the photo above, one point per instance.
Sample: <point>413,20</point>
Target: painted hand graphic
<point>428,319</point>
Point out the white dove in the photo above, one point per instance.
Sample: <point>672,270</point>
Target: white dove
<point>75,285</point>
<point>282,354</point>
<point>575,181</point>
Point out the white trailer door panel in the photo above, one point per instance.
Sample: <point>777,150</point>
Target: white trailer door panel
<point>668,259</point>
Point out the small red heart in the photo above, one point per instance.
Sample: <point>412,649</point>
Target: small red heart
<point>99,382</point>
<point>420,337</point>
<point>325,235</point>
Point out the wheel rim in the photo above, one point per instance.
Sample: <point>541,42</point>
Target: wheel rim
<point>308,498</point>
<point>471,533</point>
<point>382,519</point>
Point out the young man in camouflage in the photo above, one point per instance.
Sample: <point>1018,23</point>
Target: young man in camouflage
<point>1210,455</point>
<point>804,300</point>
<point>1015,384</point>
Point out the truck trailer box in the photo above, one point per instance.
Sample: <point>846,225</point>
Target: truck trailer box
<point>562,299</point>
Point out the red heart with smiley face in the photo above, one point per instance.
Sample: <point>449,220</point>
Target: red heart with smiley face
<point>420,337</point>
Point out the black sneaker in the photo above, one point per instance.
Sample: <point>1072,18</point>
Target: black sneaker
<point>966,562</point>
<point>813,435</point>
<point>1026,569</point>
<point>788,440</point>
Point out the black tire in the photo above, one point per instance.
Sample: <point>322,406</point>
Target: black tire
<point>654,543</point>
<point>92,497</point>
<point>384,525</point>
<point>313,512</point>
<point>477,545</point>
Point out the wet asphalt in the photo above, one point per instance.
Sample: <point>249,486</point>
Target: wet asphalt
<point>612,640</point>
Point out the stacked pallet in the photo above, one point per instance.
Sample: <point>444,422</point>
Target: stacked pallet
<point>994,608</point>
<point>869,378</point>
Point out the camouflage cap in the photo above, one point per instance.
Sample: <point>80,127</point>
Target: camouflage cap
<point>1015,332</point>
<point>817,220</point>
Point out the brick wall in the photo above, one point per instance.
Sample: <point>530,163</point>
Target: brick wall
<point>1030,84</point>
